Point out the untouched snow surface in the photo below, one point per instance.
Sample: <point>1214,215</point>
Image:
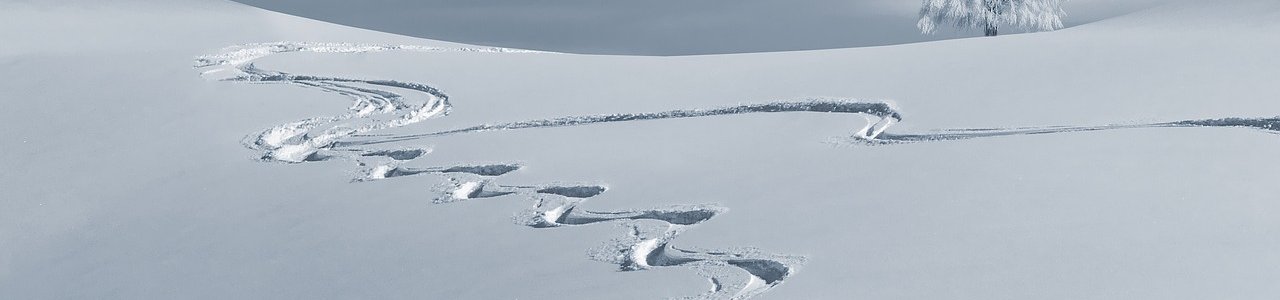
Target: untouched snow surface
<point>1127,158</point>
<point>658,27</point>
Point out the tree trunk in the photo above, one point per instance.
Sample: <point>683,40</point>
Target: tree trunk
<point>991,30</point>
<point>995,8</point>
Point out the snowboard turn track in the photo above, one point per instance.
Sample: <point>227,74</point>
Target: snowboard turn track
<point>734,273</point>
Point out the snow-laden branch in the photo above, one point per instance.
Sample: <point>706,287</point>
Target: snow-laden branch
<point>1040,15</point>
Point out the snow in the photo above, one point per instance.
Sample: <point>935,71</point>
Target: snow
<point>1125,158</point>
<point>640,252</point>
<point>464,191</point>
<point>659,27</point>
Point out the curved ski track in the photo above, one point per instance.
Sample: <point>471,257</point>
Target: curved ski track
<point>736,273</point>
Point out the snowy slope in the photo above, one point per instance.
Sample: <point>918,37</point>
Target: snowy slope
<point>657,27</point>
<point>137,175</point>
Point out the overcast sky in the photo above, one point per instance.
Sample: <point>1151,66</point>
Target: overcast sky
<point>651,27</point>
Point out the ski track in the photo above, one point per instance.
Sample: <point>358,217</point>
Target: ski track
<point>882,110</point>
<point>381,104</point>
<point>1268,125</point>
<point>735,273</point>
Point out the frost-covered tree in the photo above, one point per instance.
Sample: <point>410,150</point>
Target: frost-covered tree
<point>990,14</point>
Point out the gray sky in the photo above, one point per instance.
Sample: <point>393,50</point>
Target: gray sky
<point>650,27</point>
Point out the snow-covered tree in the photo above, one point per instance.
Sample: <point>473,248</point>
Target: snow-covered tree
<point>990,14</point>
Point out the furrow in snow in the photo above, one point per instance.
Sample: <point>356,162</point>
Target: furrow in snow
<point>884,111</point>
<point>648,244</point>
<point>1270,125</point>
